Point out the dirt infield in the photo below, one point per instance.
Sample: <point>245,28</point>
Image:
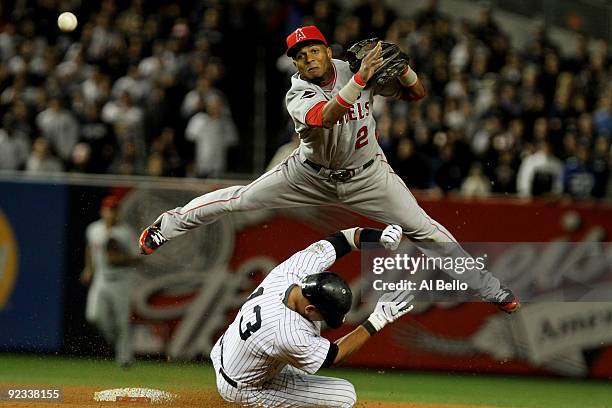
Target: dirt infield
<point>82,397</point>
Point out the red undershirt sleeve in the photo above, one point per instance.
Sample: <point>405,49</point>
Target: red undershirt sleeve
<point>314,117</point>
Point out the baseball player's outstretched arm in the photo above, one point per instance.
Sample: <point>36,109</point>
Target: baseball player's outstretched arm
<point>346,240</point>
<point>406,86</point>
<point>413,92</point>
<point>334,109</point>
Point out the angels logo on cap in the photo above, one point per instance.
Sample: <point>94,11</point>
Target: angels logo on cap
<point>302,36</point>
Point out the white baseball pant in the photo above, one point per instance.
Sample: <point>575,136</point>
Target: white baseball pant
<point>288,389</point>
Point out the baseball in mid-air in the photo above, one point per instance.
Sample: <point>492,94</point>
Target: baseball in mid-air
<point>67,21</point>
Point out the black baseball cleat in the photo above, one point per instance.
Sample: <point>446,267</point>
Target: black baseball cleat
<point>505,300</point>
<point>151,239</point>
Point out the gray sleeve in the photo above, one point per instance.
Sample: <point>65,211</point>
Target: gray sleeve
<point>300,99</point>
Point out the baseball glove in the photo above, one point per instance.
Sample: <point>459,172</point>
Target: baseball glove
<point>394,60</point>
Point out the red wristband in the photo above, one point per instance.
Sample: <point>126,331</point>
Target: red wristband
<point>342,102</point>
<point>358,79</point>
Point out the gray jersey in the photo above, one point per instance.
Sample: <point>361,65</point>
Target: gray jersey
<point>266,335</point>
<point>109,297</point>
<point>98,236</point>
<point>352,142</point>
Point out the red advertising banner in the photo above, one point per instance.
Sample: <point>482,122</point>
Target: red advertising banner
<point>204,276</point>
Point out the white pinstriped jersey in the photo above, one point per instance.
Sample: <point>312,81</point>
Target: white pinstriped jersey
<point>266,335</point>
<point>352,141</point>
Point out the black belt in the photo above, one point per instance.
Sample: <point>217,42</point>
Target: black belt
<point>229,380</point>
<point>342,174</point>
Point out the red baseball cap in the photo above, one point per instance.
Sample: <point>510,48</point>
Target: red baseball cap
<point>302,36</point>
<point>110,201</point>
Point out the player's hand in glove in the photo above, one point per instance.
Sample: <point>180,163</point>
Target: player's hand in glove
<point>390,307</point>
<point>394,61</point>
<point>391,237</point>
<point>371,62</point>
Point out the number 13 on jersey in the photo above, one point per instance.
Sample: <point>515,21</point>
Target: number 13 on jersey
<point>252,326</point>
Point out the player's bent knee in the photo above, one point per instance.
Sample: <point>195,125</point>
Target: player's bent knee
<point>346,397</point>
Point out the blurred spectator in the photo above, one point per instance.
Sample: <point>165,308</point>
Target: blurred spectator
<point>73,71</point>
<point>540,173</point>
<point>14,150</point>
<point>476,184</point>
<point>17,120</point>
<point>128,163</point>
<point>153,66</point>
<point>132,84</point>
<point>196,97</point>
<point>81,158</point>
<point>100,138</point>
<point>429,15</point>
<point>41,160</point>
<point>486,28</point>
<point>413,167</point>
<point>96,88</point>
<point>449,174</point>
<point>601,166</point>
<point>8,42</point>
<point>127,120</point>
<point>164,159</point>
<point>155,165</point>
<point>578,177</point>
<point>376,18</point>
<point>602,118</point>
<point>504,174</point>
<point>19,90</point>
<point>59,127</point>
<point>213,133</point>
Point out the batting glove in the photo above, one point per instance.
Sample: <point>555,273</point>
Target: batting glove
<point>390,307</point>
<point>391,237</point>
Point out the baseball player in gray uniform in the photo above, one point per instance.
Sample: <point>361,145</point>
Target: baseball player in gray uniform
<point>268,355</point>
<point>109,268</point>
<point>338,162</point>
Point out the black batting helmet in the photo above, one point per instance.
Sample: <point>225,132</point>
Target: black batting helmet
<point>330,294</point>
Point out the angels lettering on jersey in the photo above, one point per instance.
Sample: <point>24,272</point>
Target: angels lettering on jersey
<point>359,111</point>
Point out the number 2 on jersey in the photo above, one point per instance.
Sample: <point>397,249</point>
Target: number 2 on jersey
<point>251,327</point>
<point>362,137</point>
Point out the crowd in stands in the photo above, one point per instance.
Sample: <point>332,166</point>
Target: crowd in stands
<point>143,89</point>
<point>133,91</point>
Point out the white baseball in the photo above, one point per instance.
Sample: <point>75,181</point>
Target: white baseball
<point>67,21</point>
